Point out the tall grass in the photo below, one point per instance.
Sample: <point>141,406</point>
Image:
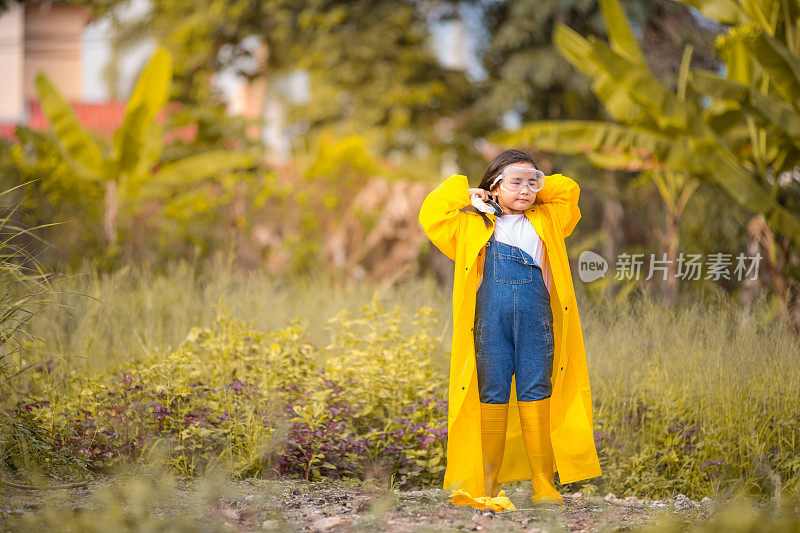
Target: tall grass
<point>702,350</point>
<point>699,398</point>
<point>136,311</point>
<point>26,290</point>
<point>702,395</point>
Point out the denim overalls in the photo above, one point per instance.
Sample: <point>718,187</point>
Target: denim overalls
<point>513,328</point>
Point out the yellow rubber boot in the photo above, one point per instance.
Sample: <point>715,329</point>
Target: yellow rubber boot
<point>535,421</point>
<point>494,417</point>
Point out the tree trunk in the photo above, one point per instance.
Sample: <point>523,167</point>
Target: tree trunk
<point>136,247</point>
<point>750,286</point>
<point>611,223</point>
<point>110,214</point>
<point>671,243</point>
<point>792,288</point>
<point>775,253</point>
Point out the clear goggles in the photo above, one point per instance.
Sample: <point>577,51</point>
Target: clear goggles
<point>513,179</point>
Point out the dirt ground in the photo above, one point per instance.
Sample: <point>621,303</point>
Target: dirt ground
<point>329,508</point>
<point>291,505</point>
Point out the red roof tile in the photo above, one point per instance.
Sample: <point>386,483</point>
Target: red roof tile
<point>7,131</point>
<point>102,119</point>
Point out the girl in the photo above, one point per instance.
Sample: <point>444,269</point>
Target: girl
<point>519,398</point>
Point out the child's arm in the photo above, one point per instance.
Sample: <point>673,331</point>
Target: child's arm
<point>562,193</point>
<point>439,214</point>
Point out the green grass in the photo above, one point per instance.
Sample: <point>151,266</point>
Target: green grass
<point>134,311</point>
<point>698,396</point>
<point>699,399</point>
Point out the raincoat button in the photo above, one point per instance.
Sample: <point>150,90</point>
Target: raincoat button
<point>462,388</point>
<point>562,368</point>
<point>565,308</point>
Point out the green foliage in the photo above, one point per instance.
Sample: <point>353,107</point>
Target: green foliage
<point>370,63</point>
<point>228,393</point>
<point>662,129</point>
<point>27,290</point>
<point>126,170</point>
<point>137,143</point>
<point>54,192</point>
<point>215,128</point>
<point>338,171</point>
<point>388,362</point>
<point>701,408</point>
<point>525,71</point>
<point>23,288</point>
<point>341,162</point>
<point>202,397</point>
<point>36,157</point>
<point>79,148</point>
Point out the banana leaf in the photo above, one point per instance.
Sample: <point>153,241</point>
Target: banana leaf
<point>578,51</point>
<point>634,146</point>
<point>79,148</point>
<point>729,122</point>
<point>620,34</point>
<point>729,174</point>
<point>724,11</point>
<point>193,169</point>
<point>618,145</point>
<point>779,113</point>
<point>774,110</point>
<point>658,101</point>
<point>149,95</point>
<point>782,66</point>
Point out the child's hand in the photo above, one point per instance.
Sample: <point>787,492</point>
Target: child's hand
<point>483,194</point>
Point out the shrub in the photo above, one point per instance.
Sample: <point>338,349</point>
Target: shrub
<point>258,403</point>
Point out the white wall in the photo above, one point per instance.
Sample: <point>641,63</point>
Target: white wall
<point>11,64</point>
<point>52,44</point>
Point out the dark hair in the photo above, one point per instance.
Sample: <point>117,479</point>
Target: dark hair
<point>502,159</point>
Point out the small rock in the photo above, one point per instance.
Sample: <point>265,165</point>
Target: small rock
<point>230,514</point>
<point>326,523</point>
<point>610,497</point>
<point>248,497</point>
<point>270,524</point>
<point>632,501</point>
<point>681,501</point>
<point>706,500</point>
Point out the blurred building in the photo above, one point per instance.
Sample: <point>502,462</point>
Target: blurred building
<point>65,42</point>
<point>49,36</point>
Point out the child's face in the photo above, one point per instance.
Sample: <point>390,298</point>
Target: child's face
<point>514,202</point>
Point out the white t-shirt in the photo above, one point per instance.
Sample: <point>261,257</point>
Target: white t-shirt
<point>517,230</point>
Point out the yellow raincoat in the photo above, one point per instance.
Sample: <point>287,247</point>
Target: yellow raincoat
<point>461,235</point>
